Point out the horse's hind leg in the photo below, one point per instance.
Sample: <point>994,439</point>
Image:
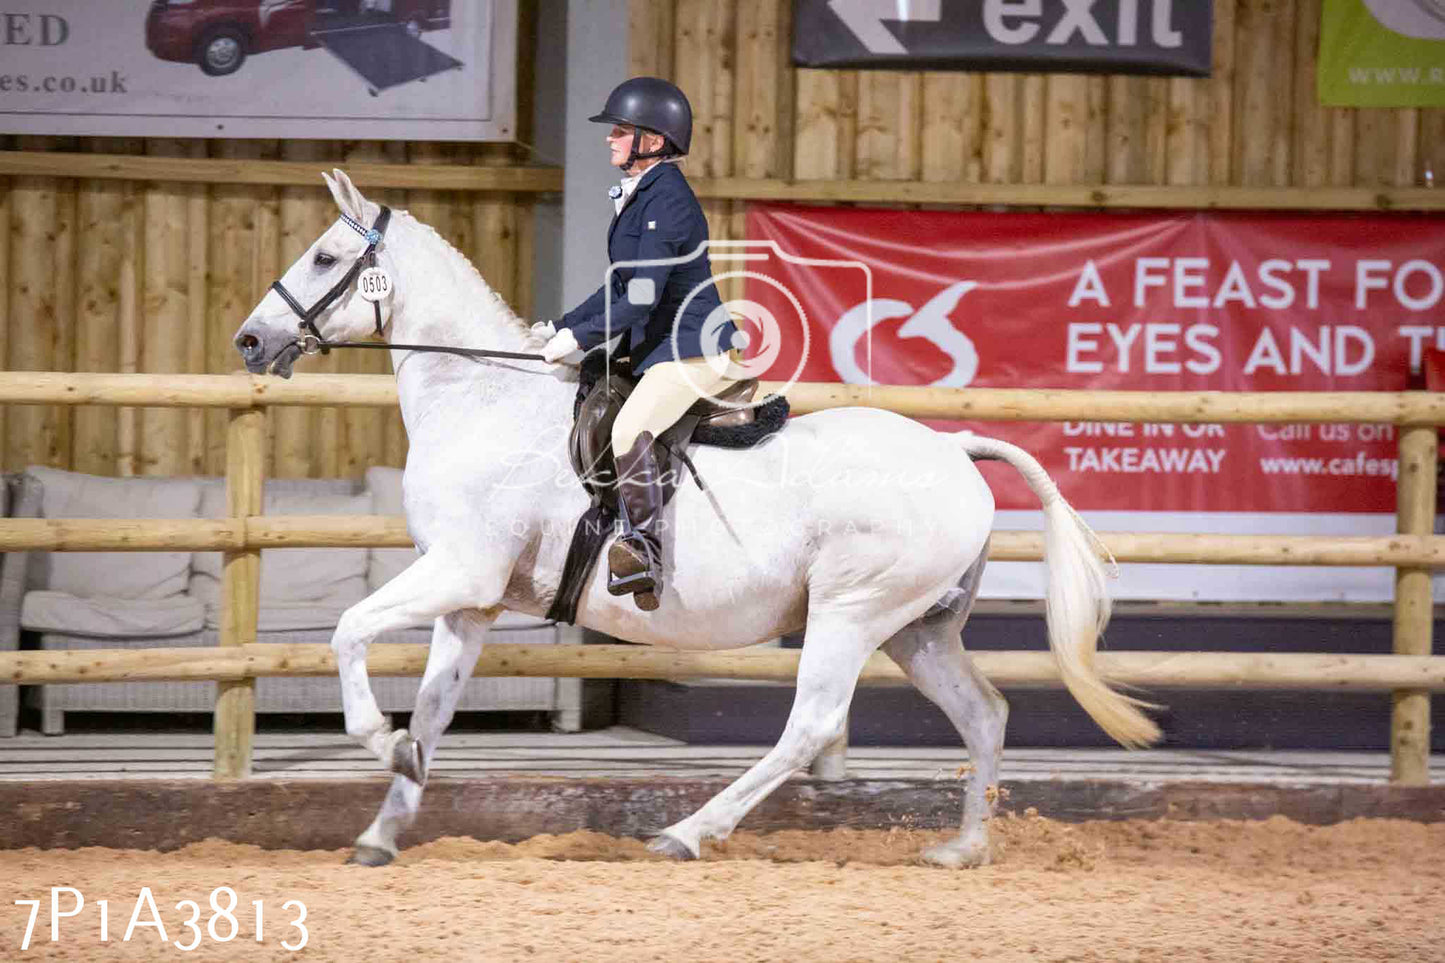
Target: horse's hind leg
<point>456,643</point>
<point>931,654</point>
<point>834,652</point>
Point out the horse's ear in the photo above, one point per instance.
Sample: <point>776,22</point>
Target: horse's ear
<point>341,192</point>
<point>356,199</point>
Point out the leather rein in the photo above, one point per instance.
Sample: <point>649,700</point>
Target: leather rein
<point>311,341</point>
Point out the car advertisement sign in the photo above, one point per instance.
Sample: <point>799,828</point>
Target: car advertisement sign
<point>353,69</point>
<point>1140,302</point>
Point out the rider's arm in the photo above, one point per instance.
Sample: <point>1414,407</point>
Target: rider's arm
<point>672,216</point>
<point>593,307</point>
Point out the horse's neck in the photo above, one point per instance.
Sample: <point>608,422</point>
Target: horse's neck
<point>442,300</point>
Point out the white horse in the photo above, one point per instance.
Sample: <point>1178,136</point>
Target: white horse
<point>863,528</point>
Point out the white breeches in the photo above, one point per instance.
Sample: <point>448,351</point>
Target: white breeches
<point>664,394</point>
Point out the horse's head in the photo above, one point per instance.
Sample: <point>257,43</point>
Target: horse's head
<point>338,290</point>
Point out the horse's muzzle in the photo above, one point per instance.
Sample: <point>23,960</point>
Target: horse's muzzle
<point>264,350</point>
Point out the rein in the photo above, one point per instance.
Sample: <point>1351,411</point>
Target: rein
<point>310,344</point>
<point>311,341</point>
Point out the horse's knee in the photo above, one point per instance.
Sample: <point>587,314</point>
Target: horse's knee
<point>348,630</point>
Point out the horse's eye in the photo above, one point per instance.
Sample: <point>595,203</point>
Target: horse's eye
<point>323,259</point>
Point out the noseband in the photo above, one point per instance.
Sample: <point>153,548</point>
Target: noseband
<point>367,259</point>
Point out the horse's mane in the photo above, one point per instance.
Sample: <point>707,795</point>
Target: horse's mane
<point>490,298</point>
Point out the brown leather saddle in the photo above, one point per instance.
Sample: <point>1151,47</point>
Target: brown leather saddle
<point>600,395</point>
<point>590,444</point>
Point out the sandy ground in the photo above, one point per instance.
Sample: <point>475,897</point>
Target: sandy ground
<point>1274,890</point>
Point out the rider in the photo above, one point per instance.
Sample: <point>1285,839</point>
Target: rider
<point>659,311</point>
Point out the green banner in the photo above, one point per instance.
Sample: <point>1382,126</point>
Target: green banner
<point>1382,53</point>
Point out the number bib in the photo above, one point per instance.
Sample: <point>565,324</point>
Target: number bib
<point>374,284</point>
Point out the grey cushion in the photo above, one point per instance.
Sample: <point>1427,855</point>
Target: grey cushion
<point>127,575</point>
<point>45,611</point>
<point>307,587</point>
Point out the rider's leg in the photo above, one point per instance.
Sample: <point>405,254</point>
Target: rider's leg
<point>635,559</point>
<point>664,393</point>
<point>662,396</point>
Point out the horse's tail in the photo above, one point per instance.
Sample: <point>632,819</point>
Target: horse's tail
<point>1077,605</point>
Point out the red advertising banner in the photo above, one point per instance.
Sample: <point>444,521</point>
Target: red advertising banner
<point>1152,302</point>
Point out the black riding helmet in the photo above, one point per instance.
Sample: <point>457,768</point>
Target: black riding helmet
<point>651,104</point>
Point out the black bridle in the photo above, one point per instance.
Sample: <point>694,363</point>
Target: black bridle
<point>367,259</point>
<point>311,341</point>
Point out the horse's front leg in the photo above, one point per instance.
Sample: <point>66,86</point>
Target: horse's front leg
<point>456,643</point>
<point>434,585</point>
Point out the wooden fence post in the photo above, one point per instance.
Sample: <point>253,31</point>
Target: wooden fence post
<point>831,764</point>
<point>240,593</point>
<point>1414,605</point>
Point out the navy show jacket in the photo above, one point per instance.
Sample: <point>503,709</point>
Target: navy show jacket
<point>661,220</point>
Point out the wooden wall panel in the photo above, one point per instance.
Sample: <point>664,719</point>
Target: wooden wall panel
<point>1220,92</point>
<point>1432,149</point>
<point>950,116</point>
<point>1136,115</point>
<point>168,323</point>
<point>1067,123</point>
<point>650,43</point>
<point>63,285</point>
<point>493,242</point>
<point>762,87</point>
<point>827,124</point>
<point>1002,108</point>
<point>33,431</point>
<point>97,317</point>
<point>131,294</point>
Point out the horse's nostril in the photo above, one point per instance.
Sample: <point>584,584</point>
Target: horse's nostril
<point>248,343</point>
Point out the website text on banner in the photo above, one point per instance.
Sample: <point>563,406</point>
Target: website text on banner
<point>1382,53</point>
<point>1134,302</point>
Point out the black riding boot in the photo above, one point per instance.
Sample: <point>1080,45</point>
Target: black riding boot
<point>636,557</point>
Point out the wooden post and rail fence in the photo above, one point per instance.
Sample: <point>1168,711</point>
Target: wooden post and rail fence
<point>1410,674</point>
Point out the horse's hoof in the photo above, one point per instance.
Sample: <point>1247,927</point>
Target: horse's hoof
<point>407,759</point>
<point>370,856</point>
<point>958,854</point>
<point>672,847</point>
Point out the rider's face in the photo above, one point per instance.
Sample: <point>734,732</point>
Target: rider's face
<point>619,141</point>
